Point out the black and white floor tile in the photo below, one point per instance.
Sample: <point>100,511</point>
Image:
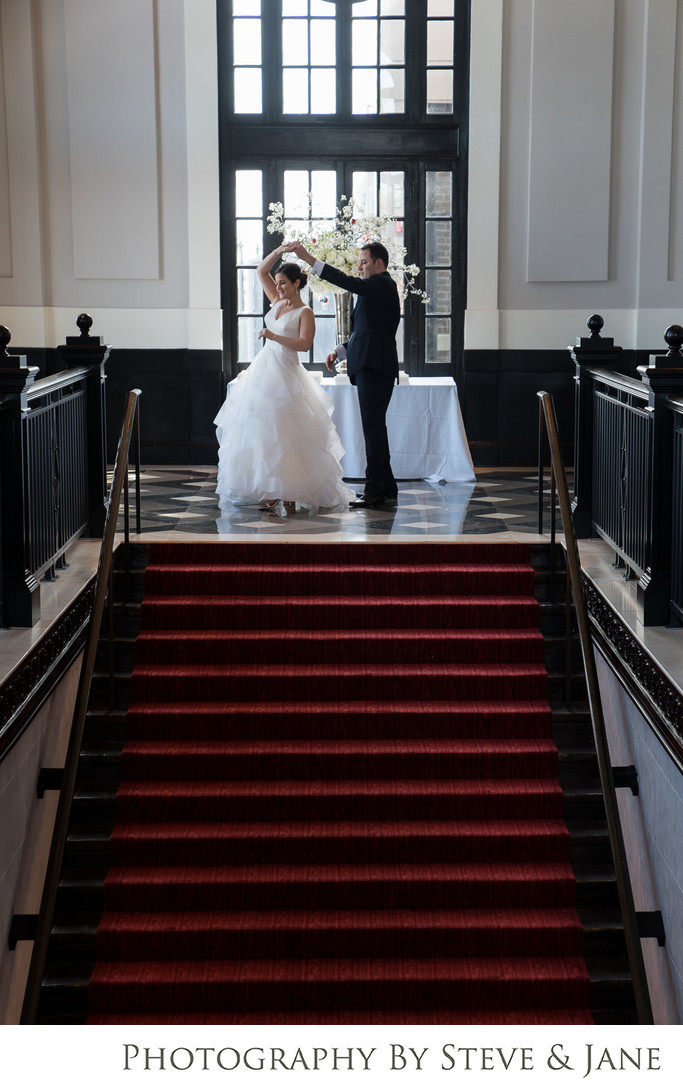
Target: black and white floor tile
<point>183,500</point>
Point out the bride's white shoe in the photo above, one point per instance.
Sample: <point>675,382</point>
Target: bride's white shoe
<point>275,507</point>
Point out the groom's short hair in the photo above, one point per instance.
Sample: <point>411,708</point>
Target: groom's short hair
<point>378,252</point>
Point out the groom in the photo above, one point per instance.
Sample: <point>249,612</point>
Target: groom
<point>371,358</point>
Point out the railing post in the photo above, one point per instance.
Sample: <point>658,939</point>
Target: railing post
<point>664,377</point>
<point>593,350</point>
<point>90,351</point>
<point>20,590</point>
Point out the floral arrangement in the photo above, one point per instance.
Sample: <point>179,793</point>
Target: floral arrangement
<point>339,244</point>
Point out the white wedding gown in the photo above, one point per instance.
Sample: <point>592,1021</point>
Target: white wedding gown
<point>275,432</point>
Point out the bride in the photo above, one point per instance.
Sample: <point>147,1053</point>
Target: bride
<point>277,442</point>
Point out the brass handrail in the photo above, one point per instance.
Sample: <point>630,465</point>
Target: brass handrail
<point>61,825</point>
<point>624,890</point>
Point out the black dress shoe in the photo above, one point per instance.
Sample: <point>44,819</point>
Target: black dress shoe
<point>367,502</point>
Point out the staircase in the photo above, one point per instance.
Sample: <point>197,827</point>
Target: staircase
<point>71,956</point>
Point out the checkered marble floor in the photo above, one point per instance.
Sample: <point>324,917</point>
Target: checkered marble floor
<point>182,500</point>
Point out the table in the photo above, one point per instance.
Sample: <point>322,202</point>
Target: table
<point>426,433</point>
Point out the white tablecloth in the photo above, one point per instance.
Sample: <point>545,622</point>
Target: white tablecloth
<point>426,433</point>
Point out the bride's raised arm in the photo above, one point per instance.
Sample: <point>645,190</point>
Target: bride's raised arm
<point>264,273</point>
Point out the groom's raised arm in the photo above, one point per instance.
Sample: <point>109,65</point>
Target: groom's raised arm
<point>328,272</point>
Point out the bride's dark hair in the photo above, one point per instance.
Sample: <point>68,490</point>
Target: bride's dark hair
<point>294,273</point>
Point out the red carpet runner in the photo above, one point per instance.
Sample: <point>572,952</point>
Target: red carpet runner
<point>339,800</point>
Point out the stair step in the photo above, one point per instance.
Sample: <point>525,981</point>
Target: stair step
<point>298,934</point>
<point>252,613</point>
<point>343,760</point>
<point>362,799</point>
<point>340,646</point>
<point>339,842</point>
<point>390,984</point>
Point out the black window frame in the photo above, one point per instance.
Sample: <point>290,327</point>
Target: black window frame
<point>347,141</point>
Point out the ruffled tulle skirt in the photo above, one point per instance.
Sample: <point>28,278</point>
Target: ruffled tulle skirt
<point>277,439</point>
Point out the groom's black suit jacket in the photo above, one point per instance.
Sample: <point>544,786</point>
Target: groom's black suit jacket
<point>374,321</point>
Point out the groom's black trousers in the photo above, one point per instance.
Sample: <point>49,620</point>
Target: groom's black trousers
<point>374,393</point>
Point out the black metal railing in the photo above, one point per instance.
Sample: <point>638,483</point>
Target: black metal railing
<point>56,469</point>
<point>622,429</point>
<point>677,513</point>
<point>575,578</point>
<point>628,473</point>
<point>129,430</point>
<point>52,466</point>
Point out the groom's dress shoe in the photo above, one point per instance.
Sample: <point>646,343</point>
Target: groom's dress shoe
<point>367,502</point>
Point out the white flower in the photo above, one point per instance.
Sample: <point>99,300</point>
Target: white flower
<point>340,241</point>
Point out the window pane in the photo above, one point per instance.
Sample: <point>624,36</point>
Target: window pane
<point>392,38</point>
<point>438,339</point>
<point>322,7</point>
<point>294,41</point>
<point>392,90</point>
<point>294,7</point>
<point>323,90</point>
<point>364,191</point>
<point>295,90</point>
<point>440,7</point>
<point>248,90</point>
<point>438,287</point>
<point>368,7</point>
<point>439,184</point>
<point>325,338</point>
<point>246,7</point>
<point>392,234</point>
<point>324,193</point>
<point>438,242</point>
<point>297,184</point>
<point>249,241</point>
<point>323,41</point>
<point>364,90</point>
<point>249,292</point>
<point>440,43</point>
<point>400,340</point>
<point>364,39</point>
<point>248,344</point>
<point>393,7</point>
<point>439,91</point>
<point>247,40</point>
<point>391,200</point>
<point>248,198</point>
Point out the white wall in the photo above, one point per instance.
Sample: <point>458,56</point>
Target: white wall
<point>27,828</point>
<point>651,824</point>
<point>576,171</point>
<point>109,171</point>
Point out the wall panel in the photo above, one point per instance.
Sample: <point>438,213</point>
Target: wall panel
<point>113,138</point>
<point>5,223</point>
<point>569,151</point>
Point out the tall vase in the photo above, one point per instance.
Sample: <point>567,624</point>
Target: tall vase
<point>343,305</point>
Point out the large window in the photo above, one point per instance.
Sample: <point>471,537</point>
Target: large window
<point>367,99</point>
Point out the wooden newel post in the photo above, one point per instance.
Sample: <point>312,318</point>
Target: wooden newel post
<point>90,351</point>
<point>589,351</point>
<point>20,590</point>
<point>664,377</point>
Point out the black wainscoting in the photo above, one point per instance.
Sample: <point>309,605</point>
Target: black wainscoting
<point>182,390</point>
<point>500,407</point>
